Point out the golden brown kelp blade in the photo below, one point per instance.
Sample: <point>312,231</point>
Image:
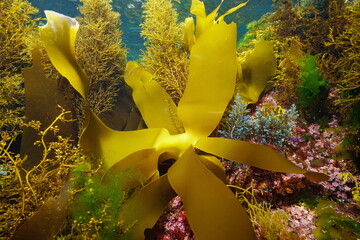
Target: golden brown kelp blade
<point>60,33</point>
<point>215,166</point>
<point>42,96</point>
<point>210,218</point>
<point>209,71</point>
<point>40,105</point>
<point>254,155</point>
<point>145,161</point>
<point>113,146</point>
<point>144,209</point>
<point>59,37</point>
<point>213,211</point>
<point>47,221</point>
<point>258,68</point>
<point>157,108</point>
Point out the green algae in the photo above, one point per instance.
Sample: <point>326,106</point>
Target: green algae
<point>334,225</point>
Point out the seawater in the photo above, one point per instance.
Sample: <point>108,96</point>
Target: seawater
<point>131,15</point>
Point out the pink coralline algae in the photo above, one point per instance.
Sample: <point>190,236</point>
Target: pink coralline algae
<point>173,224</point>
<point>317,153</point>
<point>302,221</point>
<point>309,147</point>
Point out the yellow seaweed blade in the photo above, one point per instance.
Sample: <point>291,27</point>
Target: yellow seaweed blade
<point>59,36</point>
<point>254,155</point>
<point>211,81</point>
<point>111,145</point>
<point>210,217</point>
<point>257,69</point>
<point>189,34</point>
<point>198,8</point>
<point>156,106</point>
<point>41,99</point>
<point>47,221</point>
<point>145,161</point>
<point>143,210</point>
<point>221,18</point>
<point>203,22</point>
<point>215,166</point>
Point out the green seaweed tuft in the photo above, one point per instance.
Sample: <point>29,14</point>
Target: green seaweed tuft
<point>97,202</point>
<point>311,91</point>
<point>312,83</point>
<point>334,225</point>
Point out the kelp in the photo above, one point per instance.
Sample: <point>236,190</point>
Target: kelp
<point>252,81</point>
<point>41,94</point>
<point>212,57</point>
<point>48,219</point>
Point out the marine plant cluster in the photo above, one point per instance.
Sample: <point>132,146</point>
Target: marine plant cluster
<point>204,137</point>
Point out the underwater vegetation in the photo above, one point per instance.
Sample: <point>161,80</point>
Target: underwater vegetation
<point>312,83</point>
<point>11,105</point>
<point>24,191</point>
<point>95,205</point>
<point>250,81</point>
<point>328,32</point>
<point>101,53</point>
<point>17,23</point>
<point>169,142</point>
<point>268,223</point>
<point>311,89</point>
<point>269,125</point>
<point>15,26</point>
<point>164,56</point>
<point>334,225</point>
<point>203,137</point>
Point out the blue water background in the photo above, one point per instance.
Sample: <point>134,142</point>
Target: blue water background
<point>131,12</point>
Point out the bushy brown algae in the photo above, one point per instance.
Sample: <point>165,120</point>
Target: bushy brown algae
<point>164,56</point>
<point>23,192</point>
<point>269,224</point>
<point>16,25</point>
<point>101,53</point>
<point>341,60</point>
